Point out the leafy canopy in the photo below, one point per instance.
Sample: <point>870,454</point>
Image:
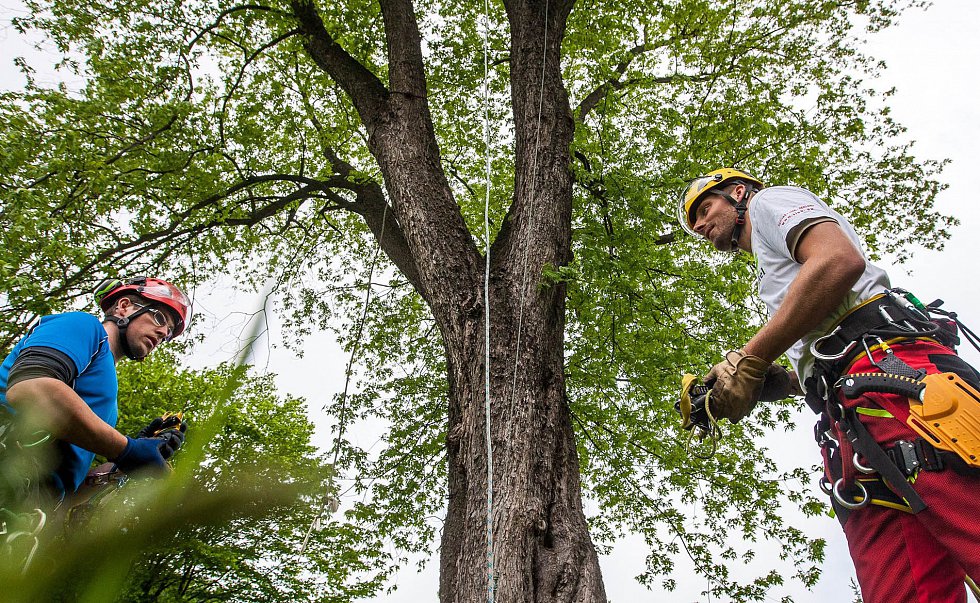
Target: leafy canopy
<point>198,137</point>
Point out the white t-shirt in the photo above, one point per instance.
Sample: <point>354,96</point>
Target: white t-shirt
<point>779,216</point>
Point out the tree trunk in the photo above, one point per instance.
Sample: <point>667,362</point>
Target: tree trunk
<point>542,550</point>
<point>541,545</point>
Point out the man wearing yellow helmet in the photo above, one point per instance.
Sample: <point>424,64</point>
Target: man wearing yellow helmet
<point>835,314</point>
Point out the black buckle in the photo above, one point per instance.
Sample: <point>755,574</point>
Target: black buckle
<point>905,457</point>
<point>912,457</point>
<point>820,429</point>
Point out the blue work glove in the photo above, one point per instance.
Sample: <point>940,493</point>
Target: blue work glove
<point>173,439</point>
<point>143,454</point>
<point>171,429</point>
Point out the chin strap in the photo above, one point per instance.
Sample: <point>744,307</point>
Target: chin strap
<point>122,323</point>
<point>741,206</point>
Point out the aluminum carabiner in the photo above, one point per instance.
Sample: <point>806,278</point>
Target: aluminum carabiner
<point>829,357</point>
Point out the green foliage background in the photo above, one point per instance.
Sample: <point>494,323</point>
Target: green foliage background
<point>232,523</point>
<point>198,139</point>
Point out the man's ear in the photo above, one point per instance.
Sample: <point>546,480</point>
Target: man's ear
<point>124,307</point>
<point>740,192</point>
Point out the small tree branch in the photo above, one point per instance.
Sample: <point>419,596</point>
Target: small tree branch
<point>366,91</point>
<point>593,99</point>
<point>225,13</point>
<point>617,82</point>
<point>241,74</point>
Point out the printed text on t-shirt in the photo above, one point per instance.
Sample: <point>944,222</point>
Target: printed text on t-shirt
<point>799,210</point>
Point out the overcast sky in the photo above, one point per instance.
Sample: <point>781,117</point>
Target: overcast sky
<point>932,58</point>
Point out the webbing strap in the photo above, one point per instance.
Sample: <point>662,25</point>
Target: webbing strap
<point>866,446</point>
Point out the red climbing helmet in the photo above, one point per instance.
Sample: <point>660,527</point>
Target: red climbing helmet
<point>153,289</point>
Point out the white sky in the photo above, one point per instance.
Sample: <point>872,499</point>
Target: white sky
<point>932,59</point>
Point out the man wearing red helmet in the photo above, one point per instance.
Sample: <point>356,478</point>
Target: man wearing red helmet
<point>61,378</point>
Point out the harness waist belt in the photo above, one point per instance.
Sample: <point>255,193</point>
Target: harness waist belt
<point>879,315</point>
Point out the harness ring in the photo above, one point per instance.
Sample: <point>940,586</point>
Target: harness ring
<point>862,468</point>
<point>848,504</point>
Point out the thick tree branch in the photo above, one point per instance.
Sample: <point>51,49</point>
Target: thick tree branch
<point>378,214</point>
<point>364,88</point>
<point>406,72</point>
<point>380,218</point>
<point>308,188</point>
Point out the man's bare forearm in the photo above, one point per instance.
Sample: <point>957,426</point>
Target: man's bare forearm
<point>51,405</point>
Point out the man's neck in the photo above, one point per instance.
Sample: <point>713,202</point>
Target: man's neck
<point>115,339</point>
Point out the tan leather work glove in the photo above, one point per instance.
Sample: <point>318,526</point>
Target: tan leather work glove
<point>736,383</point>
<point>779,384</point>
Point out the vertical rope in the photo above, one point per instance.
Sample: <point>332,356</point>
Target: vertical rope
<point>328,503</point>
<point>486,295</point>
<point>486,270</point>
<point>357,339</point>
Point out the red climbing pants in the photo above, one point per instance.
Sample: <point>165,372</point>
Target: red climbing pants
<point>922,558</point>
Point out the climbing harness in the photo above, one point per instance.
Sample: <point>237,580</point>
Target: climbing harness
<point>20,535</point>
<point>26,504</point>
<point>23,464</point>
<point>943,408</point>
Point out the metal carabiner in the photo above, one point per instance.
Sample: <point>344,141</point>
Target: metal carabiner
<point>821,356</point>
<point>857,465</point>
<point>903,324</point>
<point>33,537</point>
<point>846,503</point>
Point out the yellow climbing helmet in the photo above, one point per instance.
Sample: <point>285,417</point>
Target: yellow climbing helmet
<point>700,187</point>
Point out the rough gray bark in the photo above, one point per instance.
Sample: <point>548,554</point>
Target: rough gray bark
<point>543,551</point>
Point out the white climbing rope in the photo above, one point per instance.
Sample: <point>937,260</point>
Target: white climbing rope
<point>330,503</point>
<point>486,273</point>
<point>530,223</point>
<point>486,294</point>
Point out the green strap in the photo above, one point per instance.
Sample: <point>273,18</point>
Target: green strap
<point>874,412</point>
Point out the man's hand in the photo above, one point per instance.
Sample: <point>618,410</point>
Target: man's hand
<point>143,454</point>
<point>736,383</point>
<point>169,428</point>
<point>779,384</point>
